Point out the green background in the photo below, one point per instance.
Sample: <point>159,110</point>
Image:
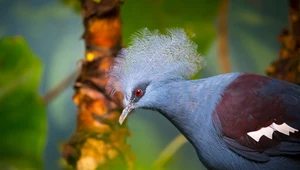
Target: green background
<point>51,46</point>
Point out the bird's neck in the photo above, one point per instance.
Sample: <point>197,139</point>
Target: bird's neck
<point>189,106</point>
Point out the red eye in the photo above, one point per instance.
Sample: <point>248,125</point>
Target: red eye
<point>138,92</point>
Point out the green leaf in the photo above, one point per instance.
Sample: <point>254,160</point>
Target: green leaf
<point>196,17</point>
<point>22,111</point>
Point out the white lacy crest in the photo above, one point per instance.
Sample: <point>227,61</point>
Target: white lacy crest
<point>152,56</point>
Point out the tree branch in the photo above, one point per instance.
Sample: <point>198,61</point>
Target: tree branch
<point>99,141</point>
<point>223,37</point>
<point>50,95</point>
<point>166,155</point>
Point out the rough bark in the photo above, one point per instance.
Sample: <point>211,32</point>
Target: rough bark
<point>287,67</point>
<point>99,142</point>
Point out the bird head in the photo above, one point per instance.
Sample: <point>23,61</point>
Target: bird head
<point>151,59</point>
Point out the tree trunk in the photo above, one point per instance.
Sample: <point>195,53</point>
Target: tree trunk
<point>99,142</point>
<point>287,67</point>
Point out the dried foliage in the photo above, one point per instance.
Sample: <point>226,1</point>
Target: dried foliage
<point>99,142</point>
<point>287,67</point>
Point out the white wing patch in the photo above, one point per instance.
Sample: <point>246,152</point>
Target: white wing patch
<point>268,131</point>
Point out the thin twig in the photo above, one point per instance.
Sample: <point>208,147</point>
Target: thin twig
<point>66,82</point>
<point>223,37</point>
<point>166,155</point>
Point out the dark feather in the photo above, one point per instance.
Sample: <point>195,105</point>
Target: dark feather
<point>252,102</point>
<point>285,148</point>
<point>246,152</point>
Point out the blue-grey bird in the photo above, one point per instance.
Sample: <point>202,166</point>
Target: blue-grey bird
<point>234,121</point>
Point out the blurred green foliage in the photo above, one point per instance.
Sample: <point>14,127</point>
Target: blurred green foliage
<point>253,30</point>
<point>196,17</point>
<point>74,4</point>
<point>162,14</point>
<point>22,111</point>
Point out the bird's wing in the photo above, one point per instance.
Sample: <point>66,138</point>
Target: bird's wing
<point>259,117</point>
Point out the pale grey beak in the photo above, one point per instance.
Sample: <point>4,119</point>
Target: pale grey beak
<point>128,109</point>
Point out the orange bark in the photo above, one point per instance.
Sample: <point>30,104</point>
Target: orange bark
<point>287,67</point>
<point>99,141</point>
<point>223,49</point>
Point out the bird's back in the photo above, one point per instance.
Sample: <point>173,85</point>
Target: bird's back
<point>239,120</point>
<point>258,118</point>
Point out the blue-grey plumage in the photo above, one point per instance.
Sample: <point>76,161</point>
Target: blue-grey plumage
<point>189,105</point>
<point>234,121</point>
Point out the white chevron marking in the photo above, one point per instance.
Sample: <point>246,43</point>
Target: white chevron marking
<point>268,131</point>
<point>256,135</point>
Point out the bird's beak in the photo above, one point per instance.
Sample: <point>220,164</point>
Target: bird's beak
<point>128,109</point>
